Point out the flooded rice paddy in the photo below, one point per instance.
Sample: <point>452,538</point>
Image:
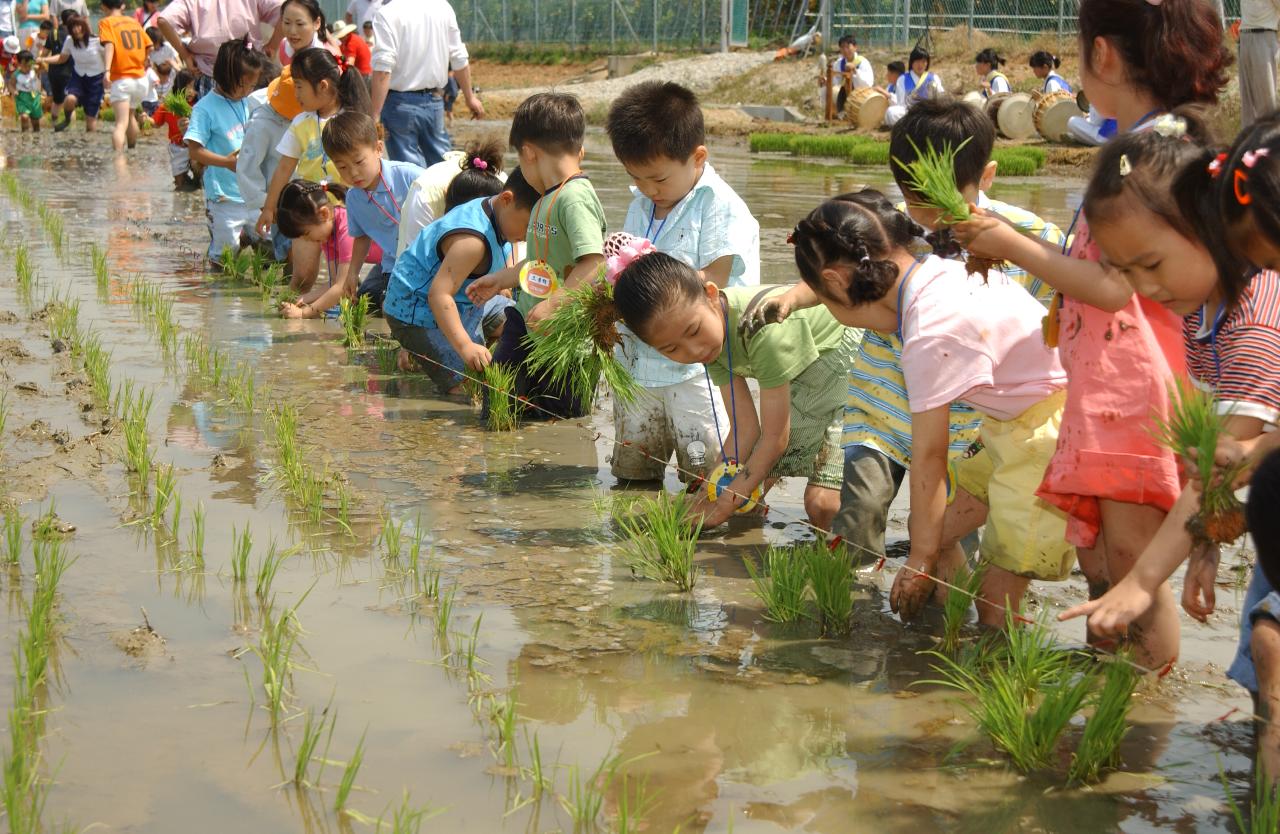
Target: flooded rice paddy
<point>539,668</point>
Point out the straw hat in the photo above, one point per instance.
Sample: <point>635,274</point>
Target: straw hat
<point>342,29</point>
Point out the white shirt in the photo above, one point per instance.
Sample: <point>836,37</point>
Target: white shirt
<point>863,73</point>
<point>57,7</point>
<point>86,60</point>
<point>362,10</point>
<point>1259,14</point>
<point>418,42</point>
<point>28,82</point>
<point>7,17</point>
<point>162,53</point>
<point>932,88</point>
<point>1054,83</point>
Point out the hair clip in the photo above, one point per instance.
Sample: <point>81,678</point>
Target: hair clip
<point>1170,126</point>
<point>866,259</point>
<point>1215,167</point>
<point>791,238</point>
<point>479,164</point>
<point>1126,168</point>
<point>1154,2</point>
<point>621,250</point>
<point>1250,158</point>
<point>1238,184</point>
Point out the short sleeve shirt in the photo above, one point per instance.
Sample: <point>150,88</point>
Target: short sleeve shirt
<point>302,142</point>
<point>567,224</point>
<point>1240,358</point>
<point>210,23</point>
<point>376,213</point>
<point>776,353</point>
<point>218,125</point>
<point>87,60</point>
<point>129,59</point>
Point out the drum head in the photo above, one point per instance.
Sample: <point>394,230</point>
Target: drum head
<point>1082,101</point>
<point>866,108</point>
<point>1016,117</point>
<point>1053,113</point>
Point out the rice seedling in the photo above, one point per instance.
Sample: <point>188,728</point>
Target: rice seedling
<point>355,319</point>
<point>661,540</point>
<point>573,349</point>
<point>97,366</point>
<point>45,528</point>
<point>1099,746</point>
<point>407,818</point>
<point>349,772</point>
<point>312,729</point>
<point>4,412</point>
<point>275,648</point>
<point>195,538</point>
<point>268,567</point>
<point>444,610</point>
<point>236,264</point>
<point>504,405</point>
<point>177,104</point>
<point>24,271</point>
<point>13,522</point>
<point>830,573</point>
<point>537,772</point>
<point>391,538</point>
<point>504,714</point>
<point>244,391</point>
<point>166,484</point>
<point>955,611</point>
<point>386,354</point>
<point>585,793</point>
<point>1194,427</point>
<point>64,319</point>
<point>1264,808</point>
<point>781,584</point>
<point>242,542</point>
<point>175,515</point>
<point>633,808</point>
<point>101,269</point>
<point>135,412</point>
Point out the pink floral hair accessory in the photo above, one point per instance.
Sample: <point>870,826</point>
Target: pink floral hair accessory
<point>620,250</point>
<point>479,164</point>
<point>1250,158</point>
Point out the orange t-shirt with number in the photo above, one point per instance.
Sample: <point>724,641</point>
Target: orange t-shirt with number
<point>129,58</point>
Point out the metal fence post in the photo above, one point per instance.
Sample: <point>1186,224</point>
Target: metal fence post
<point>537,32</point>
<point>971,4</point>
<point>506,22</point>
<point>573,23</point>
<point>655,27</point>
<point>1060,24</point>
<point>906,22</point>
<point>613,25</point>
<point>702,31</point>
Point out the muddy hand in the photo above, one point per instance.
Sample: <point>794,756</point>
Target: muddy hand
<point>1111,614</point>
<point>770,311</point>
<point>911,591</point>
<point>985,235</point>
<point>1198,597</point>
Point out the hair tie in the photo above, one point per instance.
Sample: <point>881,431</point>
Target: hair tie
<point>479,164</point>
<point>1238,184</point>
<point>866,259</point>
<point>1250,158</point>
<point>621,250</point>
<point>1126,168</point>
<point>1170,126</point>
<point>791,237</point>
<point>1215,167</point>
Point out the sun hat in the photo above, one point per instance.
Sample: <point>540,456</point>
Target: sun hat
<point>11,45</point>
<point>342,29</point>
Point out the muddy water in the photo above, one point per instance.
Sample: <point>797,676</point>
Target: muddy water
<point>727,723</point>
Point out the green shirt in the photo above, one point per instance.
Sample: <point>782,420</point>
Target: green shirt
<point>571,218</point>
<point>777,353</point>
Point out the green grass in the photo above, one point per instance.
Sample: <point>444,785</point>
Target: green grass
<point>830,572</point>
<point>1014,161</point>
<point>781,585</point>
<point>1099,747</point>
<point>661,540</point>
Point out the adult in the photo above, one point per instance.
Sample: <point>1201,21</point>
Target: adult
<point>355,50</point>
<point>416,44</point>
<point>58,74</point>
<point>8,18</point>
<point>31,13</point>
<point>209,24</point>
<point>146,13</point>
<point>59,8</point>
<point>360,12</point>
<point>1259,50</point>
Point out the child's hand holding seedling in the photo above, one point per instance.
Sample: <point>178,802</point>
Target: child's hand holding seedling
<point>989,235</point>
<point>475,357</point>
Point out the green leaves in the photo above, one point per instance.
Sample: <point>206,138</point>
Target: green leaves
<point>932,180</point>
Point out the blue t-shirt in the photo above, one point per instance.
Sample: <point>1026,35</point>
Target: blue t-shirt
<point>376,213</point>
<point>418,264</point>
<point>217,124</point>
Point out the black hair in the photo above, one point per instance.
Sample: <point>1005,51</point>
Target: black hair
<point>652,285</point>
<point>25,55</point>
<point>298,208</point>
<point>1173,49</point>
<point>65,15</point>
<point>154,34</point>
<point>313,10</point>
<point>1260,513</point>
<point>316,65</point>
<point>919,53</point>
<point>989,56</point>
<point>861,229</point>
<point>235,63</point>
<point>1045,59</point>
<point>348,132</point>
<point>184,79</point>
<point>526,196</point>
<point>46,24</point>
<point>847,39</point>
<point>77,23</point>
<point>481,164</point>
<point>898,67</point>
<point>112,4</point>
<point>943,123</point>
<point>655,119</point>
<point>551,121</point>
<point>1242,189</point>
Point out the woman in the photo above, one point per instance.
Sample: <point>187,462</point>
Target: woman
<point>84,50</point>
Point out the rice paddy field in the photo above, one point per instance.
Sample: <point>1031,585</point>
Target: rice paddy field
<point>255,580</point>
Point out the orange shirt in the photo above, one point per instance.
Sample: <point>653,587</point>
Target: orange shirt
<point>129,59</point>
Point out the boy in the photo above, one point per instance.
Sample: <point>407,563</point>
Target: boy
<point>27,83</point>
<point>686,210</point>
<point>894,71</point>
<point>877,427</point>
<point>856,68</point>
<point>124,46</point>
<point>565,243</point>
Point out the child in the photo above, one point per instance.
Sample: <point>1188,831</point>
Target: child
<point>914,86</point>
<point>355,52</point>
<point>184,179</point>
<point>1109,474</point>
<point>162,55</point>
<point>213,138</point>
<point>1045,65</point>
<point>378,194</point>
<point>853,67</point>
<point>28,104</point>
<point>367,31</point>
<point>85,89</point>
<point>687,211</point>
<point>259,158</point>
<point>427,307</point>
<point>892,75</point>
<point>159,84</point>
<point>565,240</point>
<point>1205,219</point>
<point>124,46</point>
<point>987,64</point>
<point>306,211</point>
<point>964,338</point>
<point>798,365</point>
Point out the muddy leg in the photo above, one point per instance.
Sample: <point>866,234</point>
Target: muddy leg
<point>1128,529</point>
<point>821,504</point>
<point>1265,647</point>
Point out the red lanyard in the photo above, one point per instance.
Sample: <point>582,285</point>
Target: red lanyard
<point>369,195</point>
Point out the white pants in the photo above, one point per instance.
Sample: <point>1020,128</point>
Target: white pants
<point>1087,130</point>
<point>226,220</point>
<point>665,420</point>
<point>1258,54</point>
<point>893,114</point>
<point>132,90</point>
<point>179,159</point>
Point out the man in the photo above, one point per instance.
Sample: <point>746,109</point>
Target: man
<point>1259,50</point>
<point>210,23</point>
<point>416,44</point>
<point>360,12</point>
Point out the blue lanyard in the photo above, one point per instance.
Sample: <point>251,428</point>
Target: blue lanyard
<point>1219,319</point>
<point>902,288</point>
<point>653,238</point>
<point>243,116</point>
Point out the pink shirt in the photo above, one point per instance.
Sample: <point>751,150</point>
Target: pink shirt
<point>212,22</point>
<point>975,342</point>
<point>337,249</point>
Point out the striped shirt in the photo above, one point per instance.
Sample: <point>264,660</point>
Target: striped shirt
<point>1239,358</point>
<point>876,413</point>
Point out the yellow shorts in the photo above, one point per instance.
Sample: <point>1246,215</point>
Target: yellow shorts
<point>1024,535</point>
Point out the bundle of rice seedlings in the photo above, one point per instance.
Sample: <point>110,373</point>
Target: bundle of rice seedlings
<point>573,348</point>
<point>1264,808</point>
<point>955,611</point>
<point>1100,745</point>
<point>177,104</point>
<point>497,384</point>
<point>932,178</point>
<point>830,573</point>
<point>781,584</point>
<point>1195,424</point>
<point>355,318</point>
<point>661,540</point>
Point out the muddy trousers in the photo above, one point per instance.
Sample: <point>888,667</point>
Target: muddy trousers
<point>1259,50</point>
<point>871,482</point>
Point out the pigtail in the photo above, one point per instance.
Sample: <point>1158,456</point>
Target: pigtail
<point>480,176</point>
<point>353,92</point>
<point>298,208</point>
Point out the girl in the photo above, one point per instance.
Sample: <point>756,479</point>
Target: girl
<point>1109,474</point>
<point>964,340</point>
<point>213,138</point>
<point>987,64</point>
<point>1044,65</point>
<point>800,365</point>
<point>915,85</point>
<point>85,53</point>
<point>322,89</point>
<point>426,305</point>
<point>305,212</point>
<point>184,179</point>
<point>303,24</point>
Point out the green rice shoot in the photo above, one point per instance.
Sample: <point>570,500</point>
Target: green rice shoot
<point>781,585</point>
<point>177,104</point>
<point>931,176</point>
<point>1264,808</point>
<point>955,611</point>
<point>355,319</point>
<point>497,382</point>
<point>661,540</point>
<point>1099,747</point>
<point>830,573</point>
